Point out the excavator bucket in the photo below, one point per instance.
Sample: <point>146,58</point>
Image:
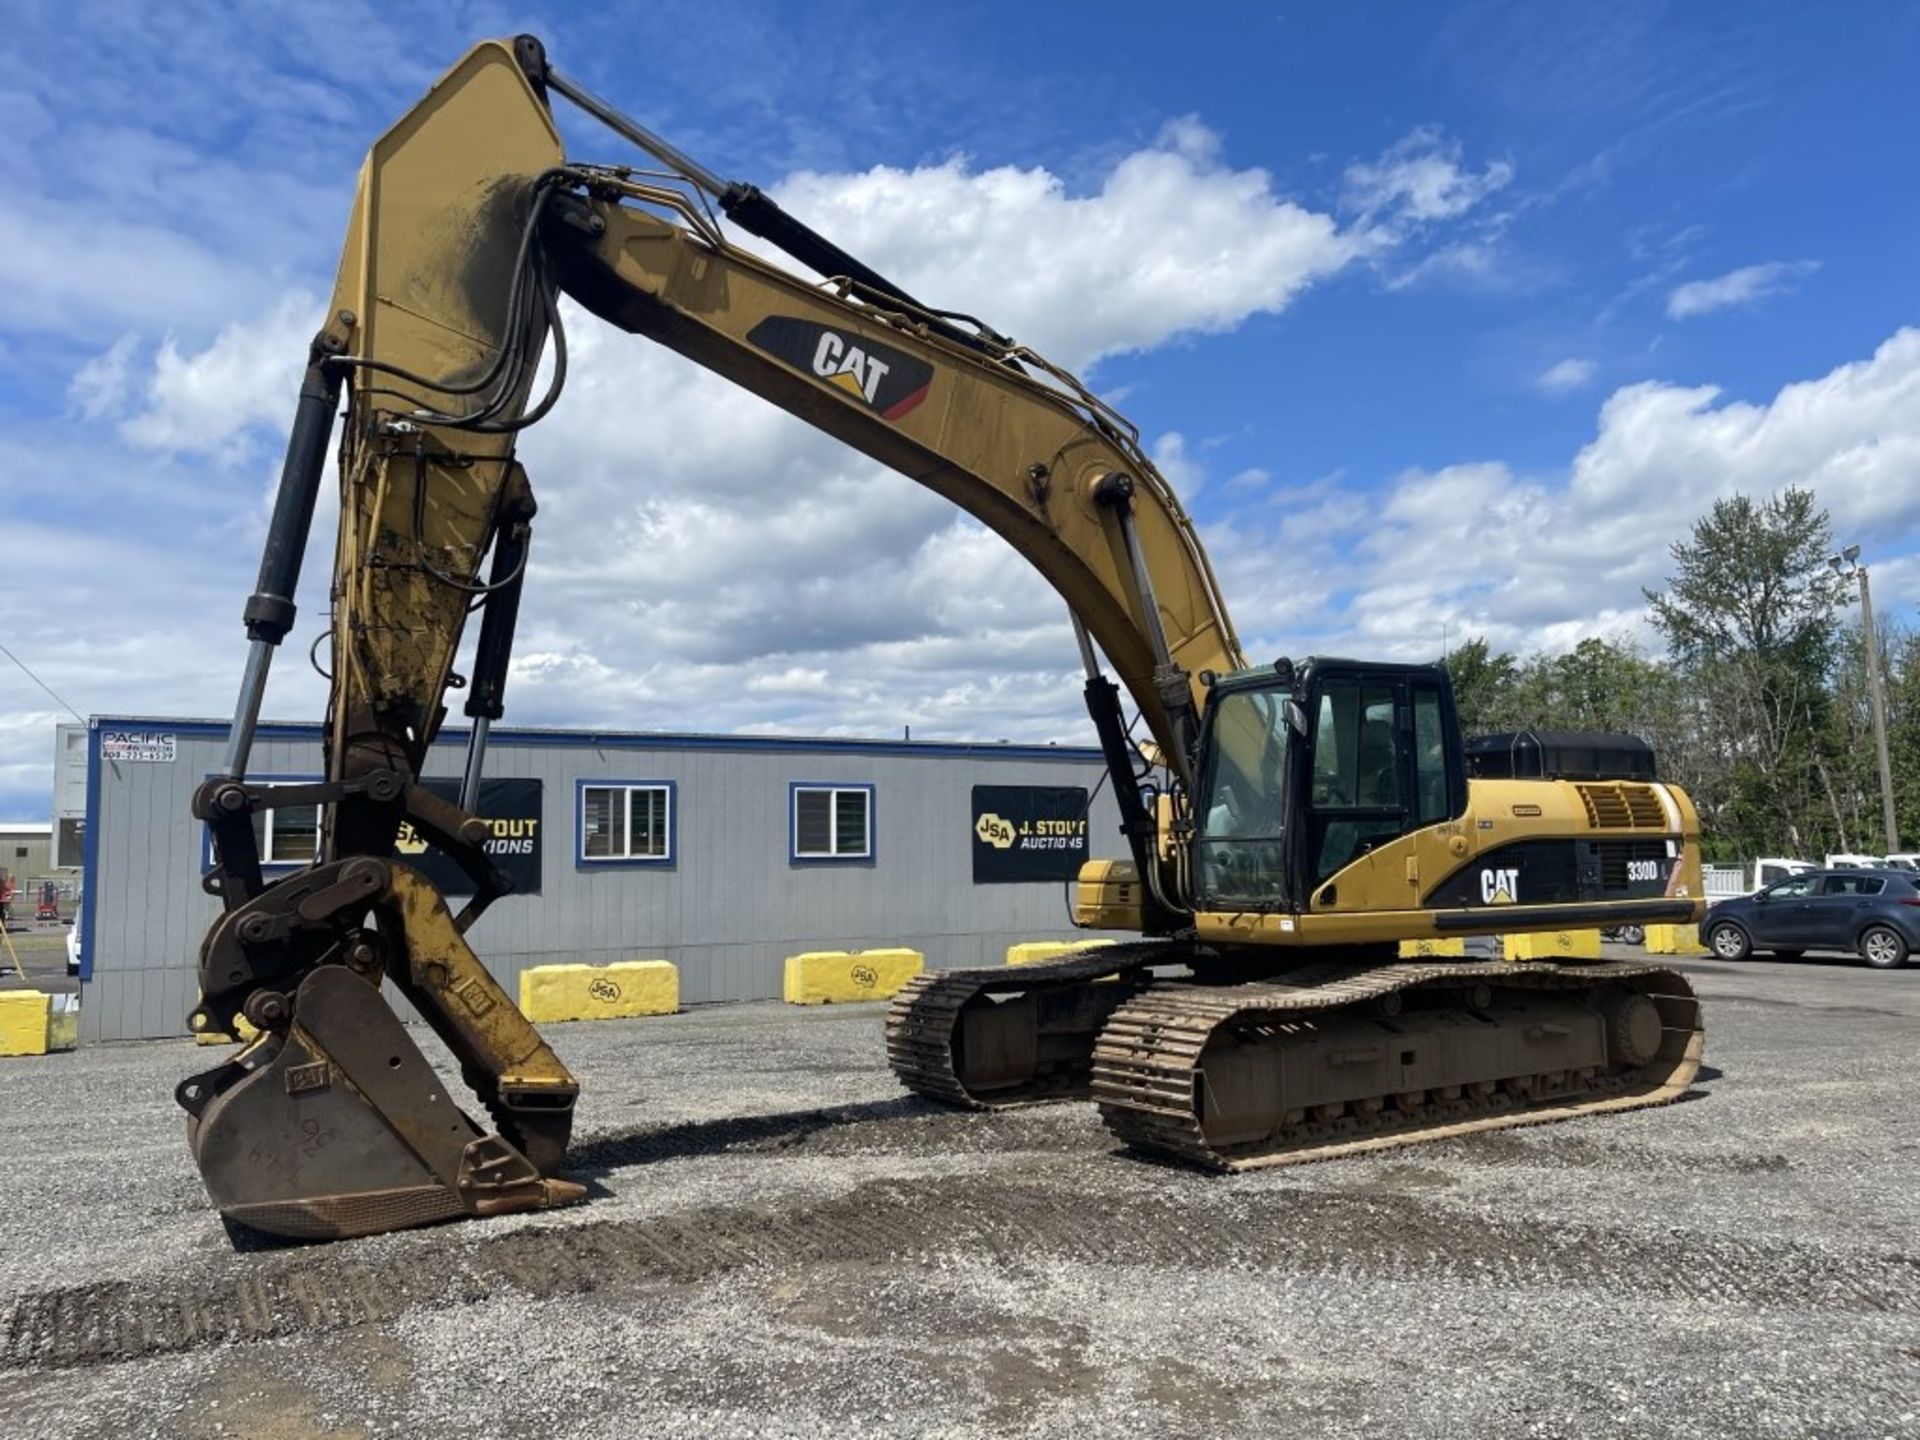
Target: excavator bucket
<point>332,1122</point>
<point>341,1127</point>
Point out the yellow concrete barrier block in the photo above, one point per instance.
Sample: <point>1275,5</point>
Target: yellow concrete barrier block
<point>220,1037</point>
<point>23,1022</point>
<point>832,977</point>
<point>63,1023</point>
<point>1433,945</point>
<point>1554,945</point>
<point>1035,952</point>
<point>1675,940</point>
<point>599,992</point>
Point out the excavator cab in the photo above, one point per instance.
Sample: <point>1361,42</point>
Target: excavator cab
<point>1304,771</point>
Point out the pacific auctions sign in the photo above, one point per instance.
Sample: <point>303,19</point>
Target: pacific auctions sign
<point>143,746</point>
<point>1028,833</point>
<point>511,809</point>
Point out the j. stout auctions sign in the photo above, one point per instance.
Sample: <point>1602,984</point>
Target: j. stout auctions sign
<point>1025,833</point>
<point>511,809</point>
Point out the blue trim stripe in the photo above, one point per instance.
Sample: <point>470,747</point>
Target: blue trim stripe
<point>90,852</point>
<point>635,740</point>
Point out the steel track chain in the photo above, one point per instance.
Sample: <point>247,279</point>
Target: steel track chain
<point>1147,1061</point>
<point>924,1013</point>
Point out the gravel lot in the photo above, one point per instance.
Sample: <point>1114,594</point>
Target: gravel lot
<point>785,1245</point>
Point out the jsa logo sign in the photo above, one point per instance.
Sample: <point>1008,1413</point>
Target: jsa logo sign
<point>994,831</point>
<point>879,376</point>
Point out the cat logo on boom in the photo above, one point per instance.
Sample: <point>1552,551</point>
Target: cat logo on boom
<point>885,379</point>
<point>848,366</point>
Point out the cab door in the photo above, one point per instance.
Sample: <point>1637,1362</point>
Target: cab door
<point>1379,764</point>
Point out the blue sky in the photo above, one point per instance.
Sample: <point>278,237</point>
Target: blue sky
<point>1471,310</point>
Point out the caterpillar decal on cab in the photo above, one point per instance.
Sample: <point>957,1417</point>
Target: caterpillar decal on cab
<point>890,381</point>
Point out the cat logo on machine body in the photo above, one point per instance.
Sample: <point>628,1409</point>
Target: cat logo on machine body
<point>887,380</point>
<point>1500,887</point>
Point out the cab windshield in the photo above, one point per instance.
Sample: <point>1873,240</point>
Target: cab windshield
<point>1242,818</point>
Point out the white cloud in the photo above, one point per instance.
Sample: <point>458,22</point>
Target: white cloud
<point>250,375</point>
<point>63,272</point>
<point>1191,136</point>
<point>1419,185</point>
<point>1181,470</point>
<point>1476,262</point>
<point>1544,560</point>
<point>1572,373</point>
<point>1172,242</point>
<point>1420,178</point>
<point>101,386</point>
<point>1746,286</point>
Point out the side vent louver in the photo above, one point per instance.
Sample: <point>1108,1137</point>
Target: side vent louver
<point>1623,807</point>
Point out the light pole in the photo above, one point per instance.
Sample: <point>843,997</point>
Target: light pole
<point>1847,562</point>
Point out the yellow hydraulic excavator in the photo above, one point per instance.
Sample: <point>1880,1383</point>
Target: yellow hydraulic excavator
<point>1299,821</point>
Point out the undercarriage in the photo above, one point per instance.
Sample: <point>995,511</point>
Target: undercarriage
<point>1317,1059</point>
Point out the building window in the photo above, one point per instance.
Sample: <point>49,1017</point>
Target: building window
<point>831,822</point>
<point>288,835</point>
<point>626,822</point>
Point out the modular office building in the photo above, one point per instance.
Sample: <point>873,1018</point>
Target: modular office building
<point>722,853</point>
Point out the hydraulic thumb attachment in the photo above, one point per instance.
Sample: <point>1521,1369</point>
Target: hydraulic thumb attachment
<point>331,1122</point>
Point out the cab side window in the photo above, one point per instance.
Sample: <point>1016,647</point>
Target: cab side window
<point>1431,801</point>
<point>1353,761</point>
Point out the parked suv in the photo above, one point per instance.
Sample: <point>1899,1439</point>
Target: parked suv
<point>1874,914</point>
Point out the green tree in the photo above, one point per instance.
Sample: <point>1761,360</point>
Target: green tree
<point>1598,685</point>
<point>1749,616</point>
<point>1483,683</point>
<point>1900,665</point>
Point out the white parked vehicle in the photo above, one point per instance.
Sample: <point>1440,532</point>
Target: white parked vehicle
<point>1766,871</point>
<point>1724,882</point>
<point>1857,862</point>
